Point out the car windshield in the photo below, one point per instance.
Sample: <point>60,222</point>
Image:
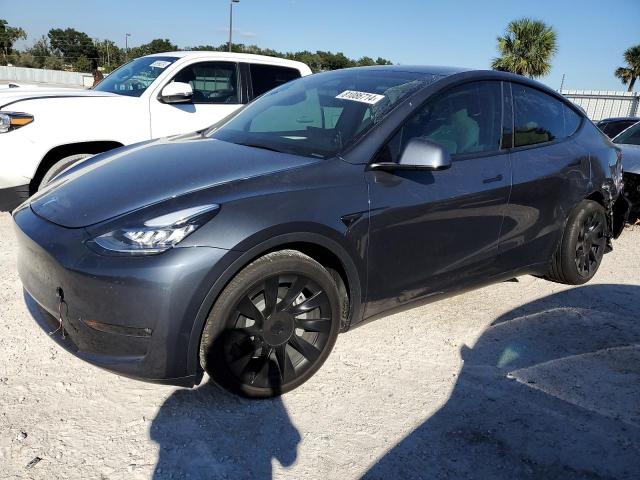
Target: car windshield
<point>322,114</point>
<point>630,136</point>
<point>133,78</point>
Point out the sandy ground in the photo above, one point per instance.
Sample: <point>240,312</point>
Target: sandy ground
<point>524,379</point>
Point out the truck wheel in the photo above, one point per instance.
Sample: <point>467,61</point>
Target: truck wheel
<point>60,166</point>
<point>582,247</point>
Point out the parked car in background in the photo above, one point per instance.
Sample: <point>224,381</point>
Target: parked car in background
<point>629,142</point>
<point>43,131</point>
<point>613,126</point>
<point>337,198</point>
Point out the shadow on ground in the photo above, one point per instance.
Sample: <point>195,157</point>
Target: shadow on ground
<point>208,433</point>
<point>550,390</point>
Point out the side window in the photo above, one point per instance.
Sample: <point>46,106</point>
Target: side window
<point>539,118</point>
<point>212,82</point>
<point>571,121</point>
<point>464,120</point>
<point>268,77</point>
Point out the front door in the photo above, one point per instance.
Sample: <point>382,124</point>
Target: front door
<point>216,94</point>
<point>433,231</point>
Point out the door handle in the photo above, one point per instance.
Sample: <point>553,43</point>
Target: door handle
<point>497,178</point>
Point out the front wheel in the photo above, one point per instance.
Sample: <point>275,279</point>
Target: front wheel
<point>582,246</point>
<point>273,326</point>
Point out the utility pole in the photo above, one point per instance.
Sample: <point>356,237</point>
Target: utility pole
<point>562,83</point>
<point>231,2</point>
<point>126,46</point>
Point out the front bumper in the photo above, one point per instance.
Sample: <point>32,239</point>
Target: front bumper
<point>131,315</point>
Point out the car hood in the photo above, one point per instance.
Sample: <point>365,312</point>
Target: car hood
<point>127,179</point>
<point>630,157</point>
<point>10,96</point>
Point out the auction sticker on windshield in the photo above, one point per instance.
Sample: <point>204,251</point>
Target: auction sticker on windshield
<point>160,64</point>
<point>364,97</point>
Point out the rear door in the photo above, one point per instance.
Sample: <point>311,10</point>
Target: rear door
<point>216,94</point>
<point>433,231</point>
<point>550,175</point>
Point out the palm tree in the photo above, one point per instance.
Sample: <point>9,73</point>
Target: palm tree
<point>629,74</point>
<point>526,48</point>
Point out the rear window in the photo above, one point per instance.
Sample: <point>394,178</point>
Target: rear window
<point>268,77</point>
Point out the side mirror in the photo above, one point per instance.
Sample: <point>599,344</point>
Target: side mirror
<point>419,154</point>
<point>177,92</point>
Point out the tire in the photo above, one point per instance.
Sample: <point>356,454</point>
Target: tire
<point>582,247</point>
<point>272,327</point>
<point>60,166</point>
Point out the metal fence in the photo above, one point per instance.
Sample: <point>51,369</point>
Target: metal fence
<point>601,104</point>
<point>36,75</point>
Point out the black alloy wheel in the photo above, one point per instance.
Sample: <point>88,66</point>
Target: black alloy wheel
<point>277,324</point>
<point>590,245</point>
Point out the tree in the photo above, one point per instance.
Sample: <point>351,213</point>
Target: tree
<point>9,36</point>
<point>158,45</point>
<point>76,48</point>
<point>109,54</point>
<point>630,74</point>
<point>41,52</point>
<point>526,48</point>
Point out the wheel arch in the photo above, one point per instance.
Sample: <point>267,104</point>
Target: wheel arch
<point>325,251</point>
<point>62,151</point>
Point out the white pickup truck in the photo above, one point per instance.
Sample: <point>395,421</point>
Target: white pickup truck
<point>43,131</point>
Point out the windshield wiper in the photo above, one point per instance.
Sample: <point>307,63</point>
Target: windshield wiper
<point>263,147</point>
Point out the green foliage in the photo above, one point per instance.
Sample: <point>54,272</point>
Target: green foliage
<point>629,74</point>
<point>526,48</point>
<point>69,49</point>
<point>158,45</point>
<point>9,36</point>
<point>76,48</point>
<point>318,62</point>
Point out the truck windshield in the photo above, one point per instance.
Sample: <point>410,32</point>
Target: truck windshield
<point>320,115</point>
<point>133,78</point>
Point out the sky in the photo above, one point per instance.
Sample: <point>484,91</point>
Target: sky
<point>592,35</point>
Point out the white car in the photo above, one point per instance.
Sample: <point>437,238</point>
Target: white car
<point>43,131</point>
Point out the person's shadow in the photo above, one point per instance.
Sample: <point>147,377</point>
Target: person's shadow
<point>208,433</point>
<point>550,390</point>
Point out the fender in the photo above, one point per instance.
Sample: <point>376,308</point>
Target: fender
<point>353,276</point>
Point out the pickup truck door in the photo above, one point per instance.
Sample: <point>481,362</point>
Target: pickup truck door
<point>216,94</point>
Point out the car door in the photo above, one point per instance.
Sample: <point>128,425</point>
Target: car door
<point>551,174</point>
<point>433,231</point>
<point>216,94</point>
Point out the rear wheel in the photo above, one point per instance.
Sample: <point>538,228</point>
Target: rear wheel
<point>273,326</point>
<point>582,247</point>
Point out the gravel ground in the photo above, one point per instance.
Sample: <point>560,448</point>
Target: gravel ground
<point>524,379</point>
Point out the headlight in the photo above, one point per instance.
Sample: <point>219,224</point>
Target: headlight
<point>157,235</point>
<point>13,120</point>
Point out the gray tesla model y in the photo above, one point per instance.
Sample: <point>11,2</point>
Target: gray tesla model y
<point>244,250</point>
